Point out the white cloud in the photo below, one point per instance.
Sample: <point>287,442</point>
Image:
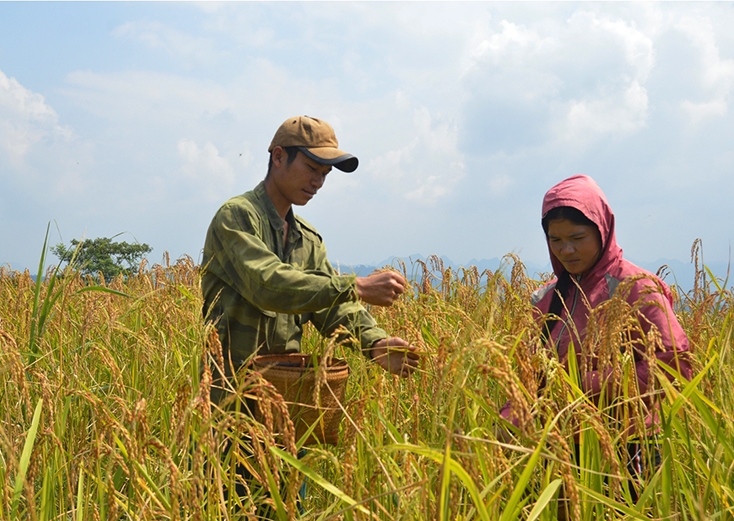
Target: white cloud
<point>158,36</point>
<point>717,74</point>
<point>206,169</point>
<point>429,191</point>
<point>499,184</point>
<point>428,166</point>
<point>512,64</point>
<point>515,43</point>
<point>26,120</point>
<point>617,104</point>
<point>618,114</point>
<point>599,35</point>
<point>41,160</point>
<point>569,83</point>
<point>699,112</point>
<point>134,95</point>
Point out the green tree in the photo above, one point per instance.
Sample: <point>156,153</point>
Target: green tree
<point>102,255</point>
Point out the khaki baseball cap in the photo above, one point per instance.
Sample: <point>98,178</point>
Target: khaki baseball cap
<point>316,139</point>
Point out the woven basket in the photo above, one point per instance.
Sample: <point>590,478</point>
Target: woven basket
<point>294,376</point>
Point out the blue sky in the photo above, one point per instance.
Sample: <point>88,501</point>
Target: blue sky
<point>142,118</point>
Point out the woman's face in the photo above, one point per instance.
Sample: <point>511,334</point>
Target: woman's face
<point>577,246</point>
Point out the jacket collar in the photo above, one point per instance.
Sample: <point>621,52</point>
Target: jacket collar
<point>276,221</point>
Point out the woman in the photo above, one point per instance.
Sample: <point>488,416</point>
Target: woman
<point>590,269</point>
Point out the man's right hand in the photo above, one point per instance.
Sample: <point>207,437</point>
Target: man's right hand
<point>395,355</point>
<point>381,289</point>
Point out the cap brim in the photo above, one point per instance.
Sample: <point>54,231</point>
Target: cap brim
<point>332,157</point>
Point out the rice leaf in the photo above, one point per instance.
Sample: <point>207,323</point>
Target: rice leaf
<point>454,468</point>
<point>33,338</point>
<point>25,459</point>
<point>275,493</point>
<point>544,499</point>
<point>80,496</point>
<point>102,289</point>
<point>445,480</point>
<point>317,478</point>
<point>524,479</point>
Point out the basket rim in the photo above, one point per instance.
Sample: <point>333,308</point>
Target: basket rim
<point>303,360</point>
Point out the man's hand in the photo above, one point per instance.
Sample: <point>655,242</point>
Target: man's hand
<point>395,355</point>
<point>381,289</point>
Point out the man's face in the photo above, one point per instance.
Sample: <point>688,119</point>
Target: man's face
<point>297,182</point>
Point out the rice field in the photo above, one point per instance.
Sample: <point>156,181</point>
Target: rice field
<point>104,414</point>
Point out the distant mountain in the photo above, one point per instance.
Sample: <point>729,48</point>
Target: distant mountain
<point>682,273</point>
<point>412,264</point>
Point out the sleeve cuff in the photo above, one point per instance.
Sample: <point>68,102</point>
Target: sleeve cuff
<point>367,338</point>
<point>345,284</point>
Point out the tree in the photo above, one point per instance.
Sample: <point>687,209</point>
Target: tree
<point>101,255</point>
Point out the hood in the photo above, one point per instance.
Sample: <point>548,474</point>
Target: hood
<point>582,192</point>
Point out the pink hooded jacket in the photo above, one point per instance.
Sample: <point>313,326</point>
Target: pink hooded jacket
<point>600,283</point>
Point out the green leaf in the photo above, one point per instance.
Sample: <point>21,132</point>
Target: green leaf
<point>544,499</point>
<point>446,479</point>
<point>318,479</point>
<point>454,466</point>
<point>80,496</point>
<point>428,337</point>
<point>612,504</point>
<point>25,458</point>
<point>103,289</point>
<point>33,340</point>
<point>522,482</point>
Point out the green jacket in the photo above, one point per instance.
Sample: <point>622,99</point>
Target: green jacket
<point>260,292</point>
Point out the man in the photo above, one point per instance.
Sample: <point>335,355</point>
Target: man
<point>265,269</point>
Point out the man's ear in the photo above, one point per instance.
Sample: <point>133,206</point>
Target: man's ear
<point>278,156</point>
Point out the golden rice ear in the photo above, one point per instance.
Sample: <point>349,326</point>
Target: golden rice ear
<point>499,367</point>
<point>569,506</point>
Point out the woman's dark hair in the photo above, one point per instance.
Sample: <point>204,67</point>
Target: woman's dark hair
<point>556,305</point>
<point>564,282</point>
<point>568,213</point>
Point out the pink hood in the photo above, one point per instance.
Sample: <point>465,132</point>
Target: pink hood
<point>582,192</point>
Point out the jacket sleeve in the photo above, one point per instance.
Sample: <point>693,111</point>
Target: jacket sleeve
<point>256,273</point>
<point>657,310</point>
<point>352,315</point>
